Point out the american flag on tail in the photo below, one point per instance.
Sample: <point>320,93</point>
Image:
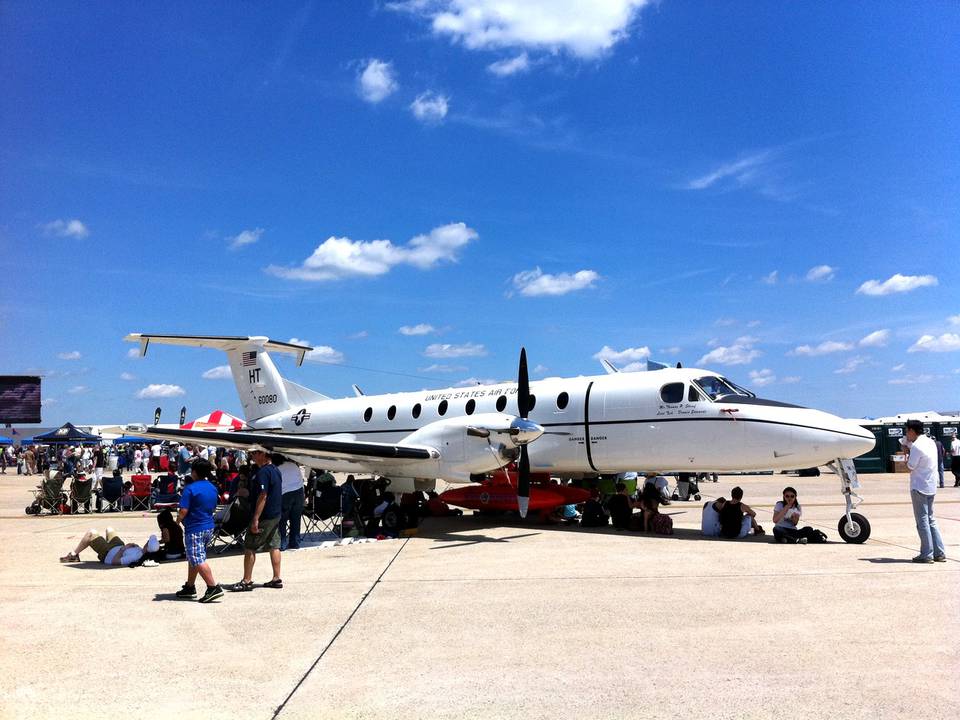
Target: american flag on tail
<point>249,359</point>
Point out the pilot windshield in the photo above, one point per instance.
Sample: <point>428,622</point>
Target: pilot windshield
<point>716,387</point>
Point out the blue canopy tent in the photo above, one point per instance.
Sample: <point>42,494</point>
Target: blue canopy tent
<point>132,439</point>
<point>67,434</point>
<point>6,440</point>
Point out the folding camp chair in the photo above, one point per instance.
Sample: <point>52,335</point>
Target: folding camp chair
<point>323,512</point>
<point>81,494</point>
<point>230,523</point>
<point>110,494</point>
<point>142,494</point>
<point>50,495</point>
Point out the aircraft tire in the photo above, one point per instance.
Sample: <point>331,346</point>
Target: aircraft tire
<point>858,533</point>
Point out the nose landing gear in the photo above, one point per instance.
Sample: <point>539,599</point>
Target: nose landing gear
<point>853,527</point>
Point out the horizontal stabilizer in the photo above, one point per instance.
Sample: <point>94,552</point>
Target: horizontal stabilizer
<point>219,342</point>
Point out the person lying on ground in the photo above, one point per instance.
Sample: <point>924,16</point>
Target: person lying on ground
<point>111,549</point>
<point>737,518</point>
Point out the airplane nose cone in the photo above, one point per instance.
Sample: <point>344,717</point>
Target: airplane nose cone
<point>858,440</point>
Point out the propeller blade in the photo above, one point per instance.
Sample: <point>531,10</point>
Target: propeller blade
<point>523,481</point>
<point>523,386</point>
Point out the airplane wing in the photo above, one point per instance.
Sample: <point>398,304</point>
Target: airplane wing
<point>321,448</point>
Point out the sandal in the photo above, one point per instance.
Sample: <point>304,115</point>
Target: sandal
<point>759,530</point>
<point>70,558</point>
<point>275,584</point>
<point>241,586</point>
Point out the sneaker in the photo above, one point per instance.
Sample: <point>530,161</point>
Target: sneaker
<point>212,593</point>
<point>802,541</point>
<point>939,558</point>
<point>187,592</point>
<point>921,559</point>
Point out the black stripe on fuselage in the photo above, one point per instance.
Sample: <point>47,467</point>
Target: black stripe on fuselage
<point>586,426</point>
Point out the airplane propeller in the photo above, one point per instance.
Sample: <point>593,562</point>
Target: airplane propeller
<point>523,407</point>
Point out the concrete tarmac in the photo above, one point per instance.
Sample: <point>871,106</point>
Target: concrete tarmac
<point>480,618</point>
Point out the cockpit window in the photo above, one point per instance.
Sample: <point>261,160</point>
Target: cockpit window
<point>717,387</point>
<point>672,392</point>
<point>693,395</point>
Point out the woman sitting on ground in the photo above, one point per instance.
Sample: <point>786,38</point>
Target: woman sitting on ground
<point>110,549</point>
<point>171,537</point>
<point>786,518</point>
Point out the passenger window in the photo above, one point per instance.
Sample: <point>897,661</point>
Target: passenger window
<point>693,395</point>
<point>416,411</point>
<point>367,414</point>
<point>471,406</point>
<point>392,412</point>
<point>442,408</point>
<point>501,403</point>
<point>533,403</point>
<point>562,400</point>
<point>672,393</point>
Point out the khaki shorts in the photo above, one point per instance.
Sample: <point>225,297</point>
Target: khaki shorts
<point>267,539</point>
<point>101,546</point>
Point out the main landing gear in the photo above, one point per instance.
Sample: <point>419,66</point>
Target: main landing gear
<point>853,527</point>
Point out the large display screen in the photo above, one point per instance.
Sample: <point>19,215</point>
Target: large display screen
<point>19,399</point>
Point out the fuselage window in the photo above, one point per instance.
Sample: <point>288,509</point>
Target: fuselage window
<point>392,412</point>
<point>672,393</point>
<point>416,411</point>
<point>367,414</point>
<point>533,403</point>
<point>442,408</point>
<point>562,400</point>
<point>501,403</point>
<point>471,406</point>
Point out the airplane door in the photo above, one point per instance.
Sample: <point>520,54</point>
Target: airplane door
<point>616,428</point>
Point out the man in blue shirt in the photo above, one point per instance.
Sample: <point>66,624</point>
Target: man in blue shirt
<point>264,531</point>
<point>197,503</point>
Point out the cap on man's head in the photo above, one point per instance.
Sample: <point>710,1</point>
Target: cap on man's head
<point>257,448</point>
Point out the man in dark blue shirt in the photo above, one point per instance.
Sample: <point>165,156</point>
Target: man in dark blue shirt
<point>197,503</point>
<point>264,531</point>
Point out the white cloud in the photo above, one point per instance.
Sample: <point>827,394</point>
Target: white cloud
<point>536,282</point>
<point>771,278</point>
<point>878,338</point>
<point>338,258</point>
<point>850,365</point>
<point>790,380</point>
<point>954,319</point>
<point>419,329</point>
<point>133,352</point>
<point>743,172</point>
<point>912,380</point>
<point>127,376</point>
<point>821,273</point>
<point>628,355</point>
<point>510,66</point>
<point>46,402</point>
<point>66,228</point>
<point>72,355</point>
<point>675,350</point>
<point>898,368</point>
<point>440,368</point>
<point>725,322</point>
<point>540,369</point>
<point>948,342</point>
<point>741,352</point>
<point>896,284</point>
<point>78,389</point>
<point>161,390</point>
<point>445,350</point>
<point>583,29</point>
<point>377,81</point>
<point>824,348</point>
<point>430,107</point>
<point>220,372</point>
<point>320,353</point>
<point>760,378</point>
<point>245,237</point>
<point>360,335</point>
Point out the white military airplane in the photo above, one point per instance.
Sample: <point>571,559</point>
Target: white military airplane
<point>669,420</point>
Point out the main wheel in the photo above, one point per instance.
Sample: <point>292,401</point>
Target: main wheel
<point>856,531</point>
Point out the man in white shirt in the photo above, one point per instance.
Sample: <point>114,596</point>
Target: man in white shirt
<point>922,463</point>
<point>291,499</point>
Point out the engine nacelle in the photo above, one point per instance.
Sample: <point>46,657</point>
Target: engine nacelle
<point>463,454</point>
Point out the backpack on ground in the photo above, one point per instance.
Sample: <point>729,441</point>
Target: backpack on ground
<point>813,535</point>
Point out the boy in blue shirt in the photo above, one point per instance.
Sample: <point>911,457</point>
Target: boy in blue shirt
<point>197,503</point>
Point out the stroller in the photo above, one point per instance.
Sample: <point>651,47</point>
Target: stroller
<point>81,493</point>
<point>686,487</point>
<point>49,496</point>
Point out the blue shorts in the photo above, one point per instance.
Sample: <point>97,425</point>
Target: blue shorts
<point>196,544</point>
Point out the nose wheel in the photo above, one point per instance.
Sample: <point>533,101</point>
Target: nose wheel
<point>854,529</point>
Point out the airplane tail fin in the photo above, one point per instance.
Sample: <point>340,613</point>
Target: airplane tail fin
<point>261,389</point>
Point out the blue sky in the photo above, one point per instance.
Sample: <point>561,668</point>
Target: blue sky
<point>769,191</point>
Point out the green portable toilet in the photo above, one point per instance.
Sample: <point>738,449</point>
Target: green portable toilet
<point>874,461</point>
